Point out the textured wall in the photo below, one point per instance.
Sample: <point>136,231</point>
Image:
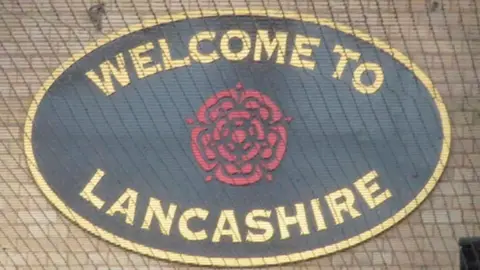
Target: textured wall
<point>443,39</point>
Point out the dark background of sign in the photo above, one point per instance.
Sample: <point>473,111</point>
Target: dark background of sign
<point>139,137</point>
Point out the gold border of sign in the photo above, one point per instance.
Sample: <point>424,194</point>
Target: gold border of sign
<point>230,261</point>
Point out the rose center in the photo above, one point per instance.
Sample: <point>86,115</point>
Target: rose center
<point>239,136</point>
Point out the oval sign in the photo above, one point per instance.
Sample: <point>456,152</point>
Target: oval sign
<point>239,138</point>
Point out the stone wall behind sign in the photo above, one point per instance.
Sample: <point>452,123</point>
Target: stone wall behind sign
<point>442,37</point>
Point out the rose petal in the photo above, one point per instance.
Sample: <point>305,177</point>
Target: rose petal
<point>259,128</point>
<point>252,152</point>
<point>225,132</point>
<point>197,150</point>
<point>210,153</point>
<point>267,153</point>
<point>280,148</point>
<point>251,131</point>
<point>247,168</point>
<point>227,105</point>
<point>212,101</point>
<point>213,115</point>
<point>239,180</point>
<point>238,115</point>
<point>231,169</point>
<point>264,113</point>
<point>226,154</point>
<point>206,139</point>
<point>218,127</point>
<point>252,104</point>
<point>272,139</point>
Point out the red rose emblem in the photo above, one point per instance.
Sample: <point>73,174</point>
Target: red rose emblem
<point>240,136</point>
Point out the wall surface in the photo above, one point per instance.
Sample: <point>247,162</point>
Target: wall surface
<point>442,37</point>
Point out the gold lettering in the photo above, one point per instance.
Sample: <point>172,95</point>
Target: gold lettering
<point>225,45</point>
<point>377,83</point>
<point>129,197</point>
<point>263,41</point>
<point>193,48</point>
<point>108,70</point>
<point>345,55</point>
<point>164,220</point>
<point>367,192</point>
<point>252,223</point>
<point>185,231</point>
<point>317,214</point>
<point>346,205</point>
<point>168,62</point>
<point>227,216</point>
<point>87,192</point>
<point>299,49</point>
<point>299,218</point>
<point>140,59</point>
